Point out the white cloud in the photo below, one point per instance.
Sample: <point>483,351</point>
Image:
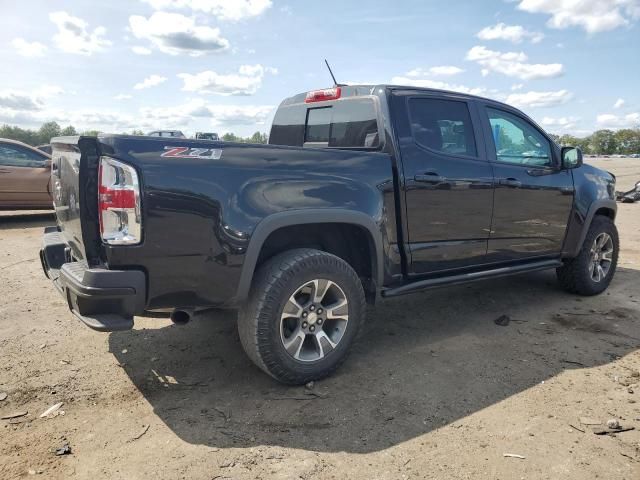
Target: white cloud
<point>438,85</point>
<point>441,70</point>
<point>232,115</point>
<point>140,50</point>
<point>28,49</point>
<point>592,15</point>
<point>223,9</point>
<point>512,33</point>
<point>176,34</point>
<point>539,99</point>
<point>517,86</point>
<point>150,81</point>
<point>246,82</point>
<point>73,36</point>
<point>512,64</point>
<point>619,103</point>
<point>32,101</point>
<point>122,96</point>
<point>608,120</point>
<point>19,101</point>
<point>560,123</point>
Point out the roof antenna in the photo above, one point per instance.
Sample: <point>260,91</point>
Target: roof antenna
<point>335,83</point>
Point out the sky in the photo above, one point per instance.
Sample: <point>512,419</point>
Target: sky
<point>224,65</point>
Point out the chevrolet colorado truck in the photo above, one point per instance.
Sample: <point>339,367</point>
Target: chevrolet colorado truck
<point>363,193</point>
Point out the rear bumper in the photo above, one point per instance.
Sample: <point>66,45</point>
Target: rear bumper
<point>104,300</point>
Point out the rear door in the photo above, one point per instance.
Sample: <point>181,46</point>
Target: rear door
<point>448,181</point>
<point>533,196</point>
<point>24,177</point>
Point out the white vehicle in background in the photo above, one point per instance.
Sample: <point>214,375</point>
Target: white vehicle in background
<point>207,136</point>
<point>167,133</point>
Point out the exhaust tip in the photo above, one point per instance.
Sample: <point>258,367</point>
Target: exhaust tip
<point>181,317</point>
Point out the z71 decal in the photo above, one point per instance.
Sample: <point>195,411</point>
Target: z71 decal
<point>186,152</point>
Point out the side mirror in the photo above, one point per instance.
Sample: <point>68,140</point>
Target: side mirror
<point>571,157</point>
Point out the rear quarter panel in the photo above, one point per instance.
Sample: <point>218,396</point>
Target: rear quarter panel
<point>199,214</point>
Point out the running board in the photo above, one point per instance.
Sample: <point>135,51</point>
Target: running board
<point>469,277</point>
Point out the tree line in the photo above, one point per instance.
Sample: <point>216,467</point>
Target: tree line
<point>603,142</point>
<point>49,130</point>
<point>625,141</point>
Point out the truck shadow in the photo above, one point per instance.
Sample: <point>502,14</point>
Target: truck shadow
<point>423,362</point>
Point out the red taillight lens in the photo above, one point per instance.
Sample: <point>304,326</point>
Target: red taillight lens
<point>119,203</point>
<point>323,95</point>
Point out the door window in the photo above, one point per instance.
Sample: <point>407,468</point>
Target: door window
<point>15,156</point>
<point>442,125</point>
<point>517,141</point>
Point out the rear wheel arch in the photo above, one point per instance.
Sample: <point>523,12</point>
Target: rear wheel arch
<point>286,220</point>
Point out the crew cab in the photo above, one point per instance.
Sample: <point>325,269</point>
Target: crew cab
<point>363,193</point>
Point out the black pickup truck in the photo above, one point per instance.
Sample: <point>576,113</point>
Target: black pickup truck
<point>364,192</point>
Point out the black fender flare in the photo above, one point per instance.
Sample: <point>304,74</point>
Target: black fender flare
<point>299,217</point>
<point>595,206</point>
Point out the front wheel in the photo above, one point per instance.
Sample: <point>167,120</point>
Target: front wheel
<point>305,309</point>
<point>592,270</point>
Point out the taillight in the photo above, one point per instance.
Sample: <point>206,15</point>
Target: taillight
<point>119,203</point>
<point>323,95</point>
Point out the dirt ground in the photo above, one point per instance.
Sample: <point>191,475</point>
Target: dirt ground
<point>434,389</point>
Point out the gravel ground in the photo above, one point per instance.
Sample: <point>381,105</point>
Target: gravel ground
<point>434,389</point>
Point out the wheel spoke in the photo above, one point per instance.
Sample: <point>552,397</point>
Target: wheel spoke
<point>322,334</point>
<point>332,310</point>
<point>607,255</point>
<point>592,270</point>
<point>293,344</point>
<point>601,273</point>
<point>292,308</point>
<point>320,288</point>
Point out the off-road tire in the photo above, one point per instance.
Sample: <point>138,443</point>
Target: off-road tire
<point>259,319</point>
<point>574,276</point>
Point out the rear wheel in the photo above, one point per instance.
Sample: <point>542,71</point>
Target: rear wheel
<point>304,311</point>
<point>592,270</point>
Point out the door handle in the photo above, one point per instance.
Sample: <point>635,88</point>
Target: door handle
<point>510,182</point>
<point>429,177</point>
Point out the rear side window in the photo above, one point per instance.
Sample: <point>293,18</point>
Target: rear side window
<point>442,125</point>
<point>349,123</point>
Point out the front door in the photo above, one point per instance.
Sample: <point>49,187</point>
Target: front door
<point>448,182</point>
<point>24,177</point>
<point>533,196</point>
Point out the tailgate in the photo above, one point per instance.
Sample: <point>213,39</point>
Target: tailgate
<point>74,174</point>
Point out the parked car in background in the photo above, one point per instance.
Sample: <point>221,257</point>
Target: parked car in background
<point>46,148</point>
<point>24,177</point>
<point>166,133</point>
<point>207,136</point>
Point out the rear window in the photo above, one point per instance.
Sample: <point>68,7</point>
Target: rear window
<point>350,123</point>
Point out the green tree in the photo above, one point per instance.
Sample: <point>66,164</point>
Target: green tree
<point>603,142</point>
<point>258,137</point>
<point>231,137</point>
<point>91,133</point>
<point>627,141</point>
<point>27,136</point>
<point>48,131</point>
<point>137,132</point>
<point>68,131</point>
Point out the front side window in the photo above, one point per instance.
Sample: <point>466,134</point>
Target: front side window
<point>442,125</point>
<point>517,141</point>
<point>15,156</point>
